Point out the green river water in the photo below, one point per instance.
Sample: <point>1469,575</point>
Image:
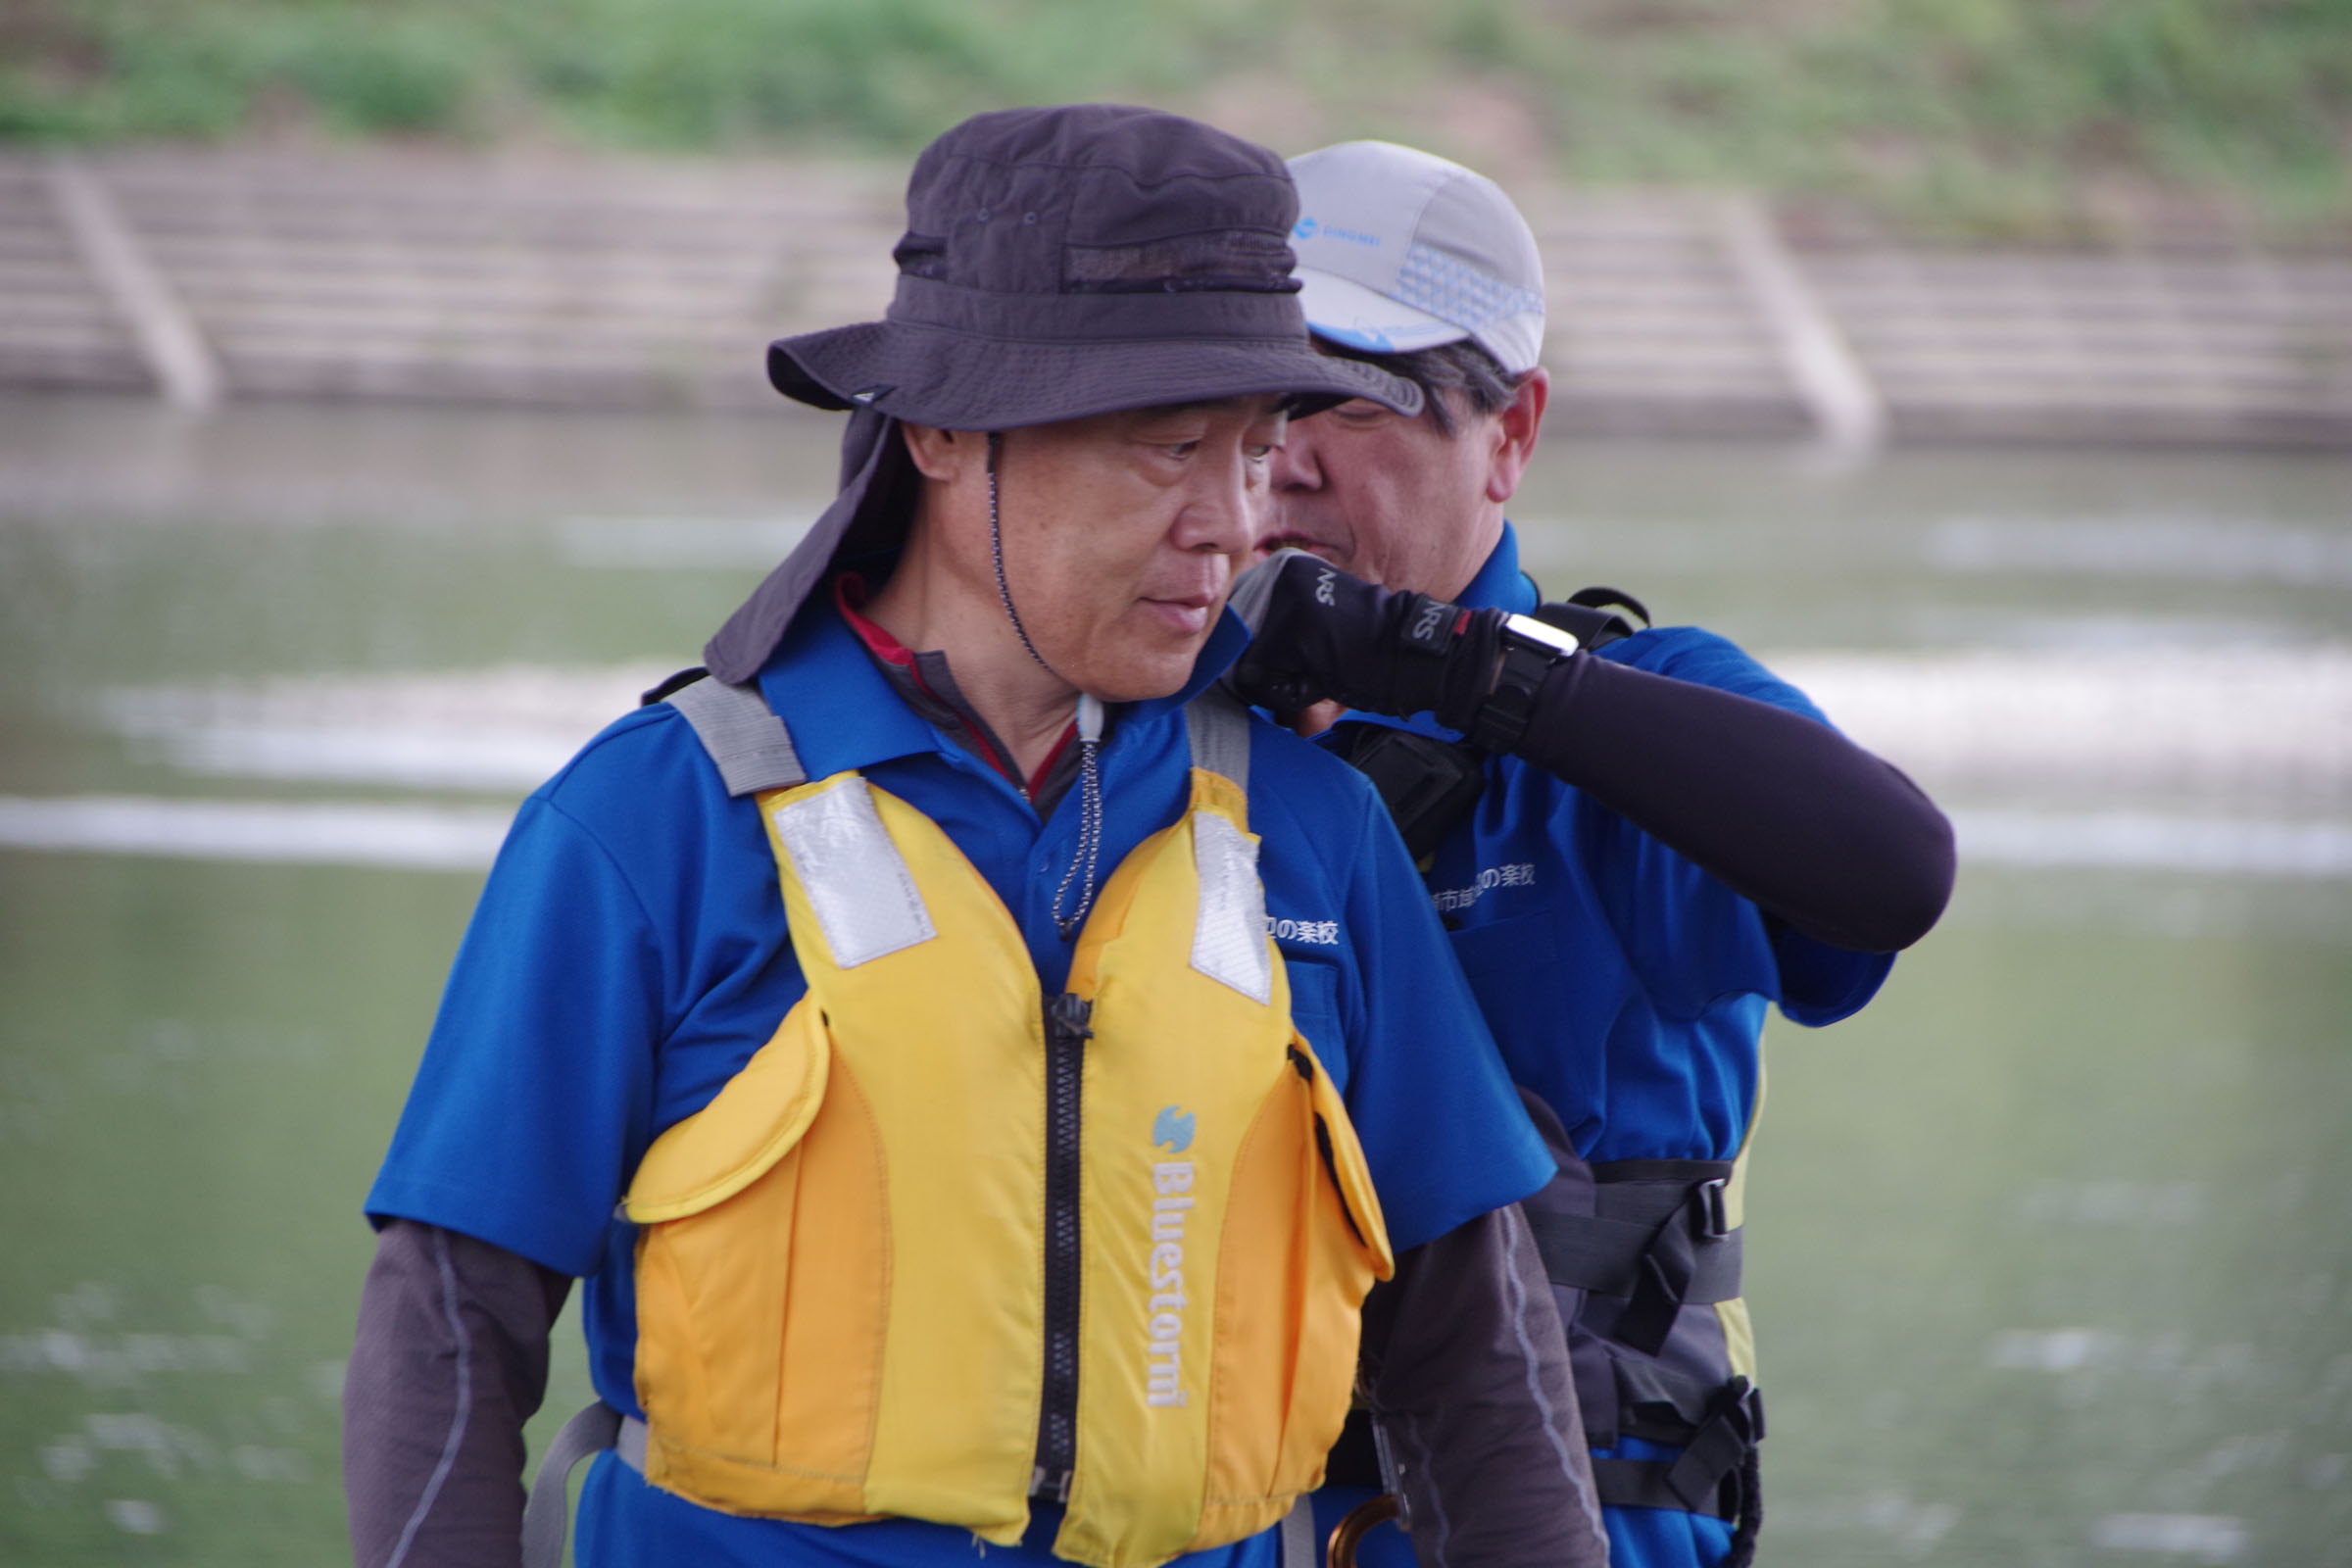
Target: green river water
<point>2050,1252</point>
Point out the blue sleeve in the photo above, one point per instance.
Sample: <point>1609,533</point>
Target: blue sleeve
<point>1692,940</point>
<point>537,1081</point>
<point>1442,1127</point>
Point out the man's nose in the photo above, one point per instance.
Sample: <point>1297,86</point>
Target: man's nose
<point>1225,511</point>
<point>1296,464</point>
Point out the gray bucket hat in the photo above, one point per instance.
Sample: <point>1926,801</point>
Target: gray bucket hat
<point>1057,262</point>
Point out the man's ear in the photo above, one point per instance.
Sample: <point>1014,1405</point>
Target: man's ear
<point>939,455</point>
<point>1518,424</point>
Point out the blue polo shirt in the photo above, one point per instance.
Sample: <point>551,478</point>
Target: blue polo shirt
<point>631,953</point>
<point>1624,985</point>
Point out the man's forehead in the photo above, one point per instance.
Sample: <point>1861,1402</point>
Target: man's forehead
<point>1190,419</point>
<point>1254,405</point>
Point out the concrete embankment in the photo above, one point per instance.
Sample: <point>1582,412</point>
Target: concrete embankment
<point>199,275</point>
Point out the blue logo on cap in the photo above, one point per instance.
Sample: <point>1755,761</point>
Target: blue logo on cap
<point>1306,229</point>
<point>1173,1130</point>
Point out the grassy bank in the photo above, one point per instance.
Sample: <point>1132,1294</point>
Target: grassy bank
<point>2000,118</point>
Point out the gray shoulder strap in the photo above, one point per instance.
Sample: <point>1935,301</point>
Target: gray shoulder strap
<point>743,735</point>
<point>1218,728</point>
<point>1299,1534</point>
<point>547,1516</point>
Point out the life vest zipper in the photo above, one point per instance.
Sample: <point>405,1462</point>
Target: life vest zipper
<point>1066,1034</point>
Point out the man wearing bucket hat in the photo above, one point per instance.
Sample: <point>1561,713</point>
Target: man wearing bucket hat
<point>1639,840</point>
<point>978,1069</point>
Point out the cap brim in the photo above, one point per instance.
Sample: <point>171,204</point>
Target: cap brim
<point>957,382</point>
<point>1363,319</point>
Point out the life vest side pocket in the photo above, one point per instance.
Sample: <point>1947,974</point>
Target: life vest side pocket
<point>756,1117</point>
<point>763,1276</point>
<point>1302,1243</point>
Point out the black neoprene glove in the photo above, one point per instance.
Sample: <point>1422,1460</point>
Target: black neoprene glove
<point>1320,633</point>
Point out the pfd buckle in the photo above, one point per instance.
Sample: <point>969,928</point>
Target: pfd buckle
<point>1708,1211</point>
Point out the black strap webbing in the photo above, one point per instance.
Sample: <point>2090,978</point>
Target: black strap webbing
<point>1715,1472</point>
<point>1643,1484</point>
<point>1658,1404</point>
<point>1601,596</point>
<point>1657,1268</point>
<point>1354,1460</point>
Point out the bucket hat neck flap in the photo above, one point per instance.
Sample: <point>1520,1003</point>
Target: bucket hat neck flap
<point>1057,263</point>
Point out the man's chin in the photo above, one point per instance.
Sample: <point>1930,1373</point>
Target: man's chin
<point>1141,680</point>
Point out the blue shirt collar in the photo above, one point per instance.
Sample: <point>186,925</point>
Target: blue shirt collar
<point>1500,583</point>
<point>843,712</point>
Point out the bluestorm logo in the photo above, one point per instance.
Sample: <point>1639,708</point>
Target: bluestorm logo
<point>1306,228</point>
<point>1164,1301</point>
<point>1173,1130</point>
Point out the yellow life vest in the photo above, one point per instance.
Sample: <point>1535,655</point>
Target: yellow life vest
<point>867,1289</point>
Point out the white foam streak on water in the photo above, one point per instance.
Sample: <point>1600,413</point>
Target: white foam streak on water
<point>134,1516</point>
<point>680,542</point>
<point>466,838</point>
<point>2208,1537</point>
<point>502,730</point>
<point>2246,722</point>
<point>2136,842</point>
<point>2263,722</point>
<point>2233,762</point>
<point>437,838</point>
<point>498,761</point>
<point>2053,1350</point>
<point>2212,550</point>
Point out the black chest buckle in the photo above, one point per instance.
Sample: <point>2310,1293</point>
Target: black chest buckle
<point>1427,784</point>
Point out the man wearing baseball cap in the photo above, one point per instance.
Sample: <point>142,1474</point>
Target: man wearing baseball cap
<point>977,1068</point>
<point>1640,839</point>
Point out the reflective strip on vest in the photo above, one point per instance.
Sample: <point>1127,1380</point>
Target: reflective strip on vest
<point>1229,935</point>
<point>857,883</point>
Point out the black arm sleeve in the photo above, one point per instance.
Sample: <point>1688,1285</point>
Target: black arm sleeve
<point>1786,812</point>
<point>1466,1369</point>
<point>450,1361</point>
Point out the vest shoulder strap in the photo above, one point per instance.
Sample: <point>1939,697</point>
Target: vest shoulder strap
<point>1218,728</point>
<point>743,735</point>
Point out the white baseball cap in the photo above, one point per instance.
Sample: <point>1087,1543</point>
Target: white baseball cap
<point>1402,250</point>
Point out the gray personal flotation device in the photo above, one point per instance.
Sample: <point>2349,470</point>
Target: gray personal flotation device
<point>1644,1260</point>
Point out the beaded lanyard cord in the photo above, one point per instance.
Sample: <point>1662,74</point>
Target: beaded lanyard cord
<point>1090,733</point>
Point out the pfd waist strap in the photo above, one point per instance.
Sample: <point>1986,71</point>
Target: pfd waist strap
<point>1657,1237</point>
<point>546,1516</point>
<point>1715,1472</point>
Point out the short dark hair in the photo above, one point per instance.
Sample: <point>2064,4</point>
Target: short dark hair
<point>1460,367</point>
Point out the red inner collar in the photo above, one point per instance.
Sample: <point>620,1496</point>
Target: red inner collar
<point>850,596</point>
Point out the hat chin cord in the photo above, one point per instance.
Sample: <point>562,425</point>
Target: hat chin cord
<point>995,551</point>
<point>1090,731</point>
